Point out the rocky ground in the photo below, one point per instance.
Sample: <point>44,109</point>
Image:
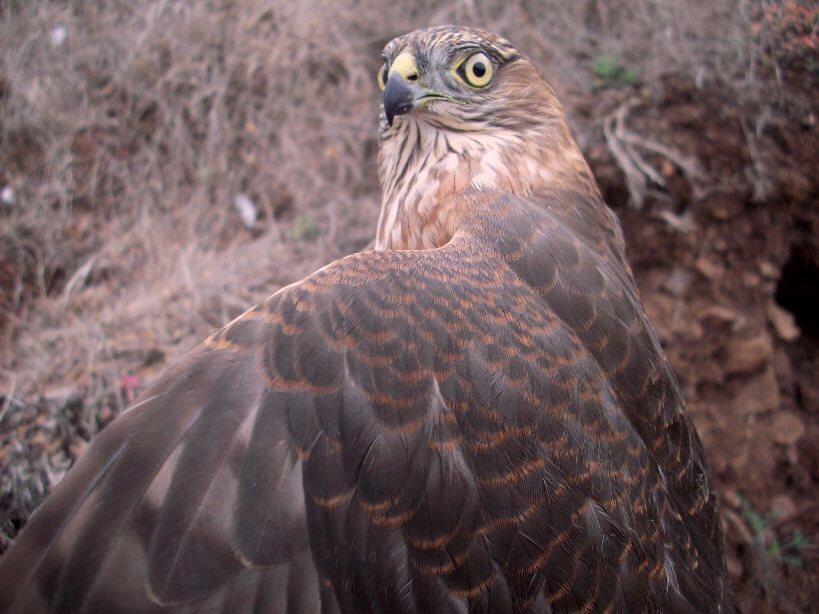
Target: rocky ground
<point>727,261</point>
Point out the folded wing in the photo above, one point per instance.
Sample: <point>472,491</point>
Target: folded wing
<point>488,425</point>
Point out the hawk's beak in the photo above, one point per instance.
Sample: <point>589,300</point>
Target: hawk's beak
<point>402,95</point>
<point>399,97</point>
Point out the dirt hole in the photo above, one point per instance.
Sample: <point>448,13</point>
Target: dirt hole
<point>798,291</point>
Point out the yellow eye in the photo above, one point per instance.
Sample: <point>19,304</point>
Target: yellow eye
<point>381,77</point>
<point>477,70</point>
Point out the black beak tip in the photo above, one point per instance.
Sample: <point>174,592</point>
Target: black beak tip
<point>398,98</point>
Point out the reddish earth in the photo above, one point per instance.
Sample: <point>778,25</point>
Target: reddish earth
<point>731,284</point>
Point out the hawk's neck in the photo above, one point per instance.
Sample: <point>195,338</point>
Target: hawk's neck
<point>423,170</point>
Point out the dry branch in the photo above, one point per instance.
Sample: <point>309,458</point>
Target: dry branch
<point>625,144</point>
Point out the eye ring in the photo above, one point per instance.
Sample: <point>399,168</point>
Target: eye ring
<point>477,70</point>
<point>381,76</point>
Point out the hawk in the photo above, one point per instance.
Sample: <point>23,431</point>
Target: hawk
<point>475,415</point>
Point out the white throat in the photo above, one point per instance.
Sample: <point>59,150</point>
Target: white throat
<point>422,166</point>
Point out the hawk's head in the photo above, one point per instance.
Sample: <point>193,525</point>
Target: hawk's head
<point>460,79</point>
<point>463,112</point>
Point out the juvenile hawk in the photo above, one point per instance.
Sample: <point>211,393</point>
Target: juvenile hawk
<point>475,416</point>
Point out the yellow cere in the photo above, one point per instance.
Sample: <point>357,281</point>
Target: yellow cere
<point>404,66</point>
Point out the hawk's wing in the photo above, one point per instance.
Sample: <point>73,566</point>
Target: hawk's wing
<point>490,424</point>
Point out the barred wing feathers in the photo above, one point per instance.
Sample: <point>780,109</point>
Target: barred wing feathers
<point>487,425</point>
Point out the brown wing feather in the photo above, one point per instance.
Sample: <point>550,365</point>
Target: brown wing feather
<point>489,425</point>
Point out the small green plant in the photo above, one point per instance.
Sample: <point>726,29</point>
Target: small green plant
<point>773,554</point>
<point>304,228</point>
<point>610,72</point>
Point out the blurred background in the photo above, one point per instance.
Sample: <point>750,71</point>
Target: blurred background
<point>165,164</point>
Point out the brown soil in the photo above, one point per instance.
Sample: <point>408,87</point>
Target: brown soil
<point>733,290</point>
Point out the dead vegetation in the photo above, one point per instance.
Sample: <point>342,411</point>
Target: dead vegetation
<point>165,165</point>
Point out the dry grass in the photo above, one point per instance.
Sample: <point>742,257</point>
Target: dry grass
<point>127,144</point>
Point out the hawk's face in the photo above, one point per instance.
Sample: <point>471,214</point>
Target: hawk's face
<point>463,111</point>
<point>460,79</point>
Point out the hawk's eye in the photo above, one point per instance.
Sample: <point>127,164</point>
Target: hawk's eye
<point>381,77</point>
<point>477,70</point>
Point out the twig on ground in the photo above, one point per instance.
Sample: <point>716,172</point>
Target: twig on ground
<point>625,144</point>
<point>635,179</point>
<point>78,278</point>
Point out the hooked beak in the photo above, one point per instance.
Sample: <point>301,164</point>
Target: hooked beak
<point>401,97</point>
<point>402,94</point>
